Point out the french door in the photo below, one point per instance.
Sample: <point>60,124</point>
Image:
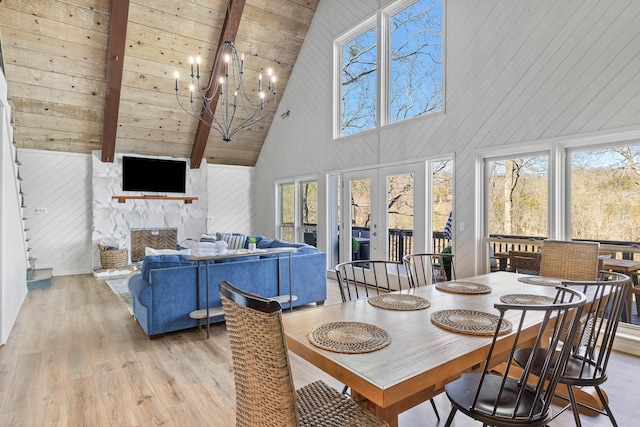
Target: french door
<point>382,213</point>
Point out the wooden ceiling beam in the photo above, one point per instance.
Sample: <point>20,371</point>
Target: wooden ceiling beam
<point>115,63</point>
<point>228,33</point>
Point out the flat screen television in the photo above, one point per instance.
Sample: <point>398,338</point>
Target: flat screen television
<point>158,175</point>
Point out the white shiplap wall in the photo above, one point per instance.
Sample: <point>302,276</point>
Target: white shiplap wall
<point>59,184</point>
<point>231,199</point>
<point>516,72</point>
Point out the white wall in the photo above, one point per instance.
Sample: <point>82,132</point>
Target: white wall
<point>58,199</point>
<point>516,72</point>
<point>231,199</point>
<point>13,254</point>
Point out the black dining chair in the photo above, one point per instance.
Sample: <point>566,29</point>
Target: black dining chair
<point>428,268</point>
<point>361,279</point>
<point>510,396</point>
<point>593,342</point>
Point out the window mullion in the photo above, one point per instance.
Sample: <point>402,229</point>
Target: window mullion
<point>383,65</point>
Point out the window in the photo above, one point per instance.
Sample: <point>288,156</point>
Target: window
<point>287,212</point>
<point>359,80</point>
<point>407,73</point>
<point>441,203</point>
<point>604,189</point>
<point>518,196</point>
<point>298,211</point>
<point>416,60</point>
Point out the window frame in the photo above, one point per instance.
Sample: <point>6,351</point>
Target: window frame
<point>381,20</point>
<point>298,226</point>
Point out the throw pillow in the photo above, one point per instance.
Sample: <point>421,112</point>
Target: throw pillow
<point>234,241</point>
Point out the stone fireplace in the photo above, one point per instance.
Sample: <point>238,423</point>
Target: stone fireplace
<point>115,221</point>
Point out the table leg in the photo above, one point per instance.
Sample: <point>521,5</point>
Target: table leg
<point>207,283</point>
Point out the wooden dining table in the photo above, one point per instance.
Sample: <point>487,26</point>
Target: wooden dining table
<point>421,358</point>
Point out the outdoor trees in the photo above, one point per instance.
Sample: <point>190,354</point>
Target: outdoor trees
<point>603,191</point>
<point>414,63</point>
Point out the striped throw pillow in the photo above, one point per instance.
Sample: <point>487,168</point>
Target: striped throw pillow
<point>234,241</point>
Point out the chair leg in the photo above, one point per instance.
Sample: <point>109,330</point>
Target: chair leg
<point>450,419</point>
<point>345,390</point>
<point>433,404</point>
<point>606,406</point>
<point>574,405</point>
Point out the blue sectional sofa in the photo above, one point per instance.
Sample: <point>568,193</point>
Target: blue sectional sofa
<point>165,291</point>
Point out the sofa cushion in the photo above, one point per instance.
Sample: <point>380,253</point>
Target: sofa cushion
<point>306,249</point>
<point>263,242</point>
<point>152,262</point>
<point>284,244</point>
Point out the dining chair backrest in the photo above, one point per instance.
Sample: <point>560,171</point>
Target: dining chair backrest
<point>593,341</point>
<point>265,393</point>
<point>254,325</point>
<point>424,269</point>
<point>524,262</point>
<point>360,279</point>
<point>569,260</point>
<point>589,359</point>
<point>512,396</point>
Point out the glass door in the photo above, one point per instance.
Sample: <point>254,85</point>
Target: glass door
<point>383,212</point>
<point>359,215</point>
<point>401,231</point>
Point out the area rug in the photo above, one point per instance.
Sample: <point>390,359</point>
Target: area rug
<point>120,288</point>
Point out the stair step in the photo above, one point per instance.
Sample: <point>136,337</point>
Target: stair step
<point>40,278</point>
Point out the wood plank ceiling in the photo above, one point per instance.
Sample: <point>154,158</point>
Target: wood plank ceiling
<point>56,64</point>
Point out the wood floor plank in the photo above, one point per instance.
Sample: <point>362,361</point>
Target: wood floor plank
<point>77,357</point>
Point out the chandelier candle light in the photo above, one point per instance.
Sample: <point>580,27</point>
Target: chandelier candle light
<point>236,110</point>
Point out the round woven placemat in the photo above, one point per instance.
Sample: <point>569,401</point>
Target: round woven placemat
<point>470,322</point>
<point>458,287</point>
<point>538,280</point>
<point>399,302</point>
<point>526,299</point>
<point>349,337</point>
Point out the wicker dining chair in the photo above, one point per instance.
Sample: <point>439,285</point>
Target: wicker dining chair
<point>593,342</point>
<point>513,396</point>
<point>360,279</point>
<point>569,260</point>
<point>423,269</point>
<point>265,394</point>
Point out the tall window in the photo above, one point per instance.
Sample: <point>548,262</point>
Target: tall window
<point>309,211</point>
<point>416,60</point>
<point>287,212</point>
<point>518,191</point>
<point>359,81</point>
<point>409,67</point>
<point>442,203</point>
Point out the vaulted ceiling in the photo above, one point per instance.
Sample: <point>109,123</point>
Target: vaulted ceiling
<point>87,75</point>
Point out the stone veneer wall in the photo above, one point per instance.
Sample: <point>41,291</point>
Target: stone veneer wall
<point>113,220</point>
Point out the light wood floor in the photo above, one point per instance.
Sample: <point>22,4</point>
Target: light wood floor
<point>77,358</point>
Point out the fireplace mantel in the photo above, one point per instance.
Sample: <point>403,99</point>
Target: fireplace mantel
<point>124,198</point>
